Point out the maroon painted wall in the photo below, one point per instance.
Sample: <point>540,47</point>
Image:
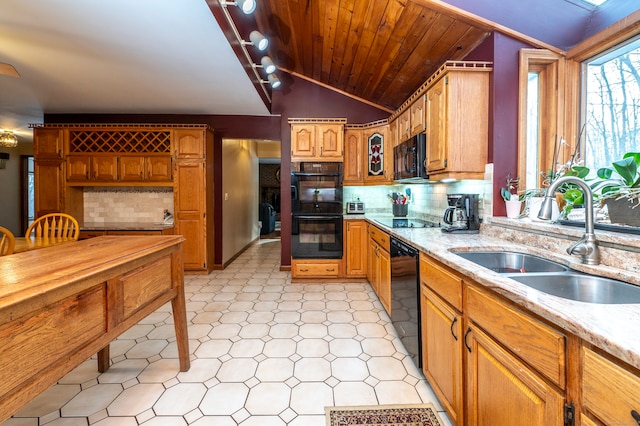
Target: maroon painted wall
<point>503,108</point>
<point>300,98</point>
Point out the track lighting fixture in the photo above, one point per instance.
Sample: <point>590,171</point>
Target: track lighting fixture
<point>257,40</point>
<point>247,6</point>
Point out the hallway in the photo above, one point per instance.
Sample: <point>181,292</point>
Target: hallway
<point>264,352</point>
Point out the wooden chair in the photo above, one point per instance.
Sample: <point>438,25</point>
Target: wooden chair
<point>7,242</point>
<point>54,225</point>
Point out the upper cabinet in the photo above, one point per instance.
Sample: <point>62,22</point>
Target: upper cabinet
<point>416,111</point>
<point>317,139</point>
<point>457,121</point>
<point>48,143</point>
<point>404,126</point>
<point>368,154</point>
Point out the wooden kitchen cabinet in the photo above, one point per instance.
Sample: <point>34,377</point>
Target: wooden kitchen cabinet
<point>315,268</point>
<point>193,198</point>
<point>48,187</point>
<point>610,391</point>
<point>417,115</point>
<point>145,168</point>
<point>48,143</point>
<point>353,157</point>
<point>317,140</point>
<point>356,248</point>
<point>189,144</point>
<point>393,134</point>
<point>404,126</point>
<point>509,356</point>
<point>379,265</point>
<point>503,390</point>
<point>88,168</point>
<point>378,155</point>
<point>457,122</point>
<point>441,320</point>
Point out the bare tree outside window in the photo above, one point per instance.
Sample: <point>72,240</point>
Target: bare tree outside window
<point>612,106</point>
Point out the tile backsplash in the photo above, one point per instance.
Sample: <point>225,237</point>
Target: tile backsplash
<point>127,204</point>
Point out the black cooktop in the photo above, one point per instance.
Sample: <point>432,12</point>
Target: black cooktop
<point>398,222</point>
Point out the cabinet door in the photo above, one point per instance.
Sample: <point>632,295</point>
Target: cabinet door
<point>330,140</point>
<point>436,124</point>
<point>442,351</point>
<point>610,392</point>
<point>373,264</point>
<point>356,248</point>
<point>105,168</point>
<point>417,116</point>
<point>131,168</point>
<point>158,169</point>
<point>501,390</point>
<point>384,283</point>
<point>48,187</point>
<point>378,155</point>
<point>353,156</point>
<point>404,126</point>
<point>189,143</point>
<point>78,168</point>
<point>393,134</point>
<point>48,143</point>
<point>189,187</point>
<point>303,141</point>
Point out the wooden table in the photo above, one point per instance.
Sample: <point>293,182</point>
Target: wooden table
<point>33,243</point>
<point>61,305</point>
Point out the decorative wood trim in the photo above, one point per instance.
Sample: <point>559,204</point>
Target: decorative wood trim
<point>317,121</point>
<point>607,38</point>
<point>120,125</point>
<point>367,125</point>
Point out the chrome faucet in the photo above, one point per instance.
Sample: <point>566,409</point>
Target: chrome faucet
<point>587,246</point>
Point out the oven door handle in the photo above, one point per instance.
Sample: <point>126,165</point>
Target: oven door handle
<point>313,217</point>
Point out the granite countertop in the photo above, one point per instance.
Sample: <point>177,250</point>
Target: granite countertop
<point>613,328</point>
<point>124,226</point>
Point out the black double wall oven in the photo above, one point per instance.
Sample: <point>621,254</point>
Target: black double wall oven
<point>316,210</point>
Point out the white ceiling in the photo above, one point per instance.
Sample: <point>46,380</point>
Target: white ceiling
<point>117,56</point>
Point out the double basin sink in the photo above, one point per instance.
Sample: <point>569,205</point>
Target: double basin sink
<point>554,278</point>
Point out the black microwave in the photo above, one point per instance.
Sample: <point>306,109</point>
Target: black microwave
<point>410,160</point>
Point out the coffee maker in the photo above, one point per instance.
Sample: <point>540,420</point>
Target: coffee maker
<point>462,214</point>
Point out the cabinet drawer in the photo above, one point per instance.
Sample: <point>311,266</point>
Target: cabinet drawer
<point>609,391</point>
<point>36,341</point>
<point>144,285</point>
<point>534,342</point>
<point>444,282</point>
<point>328,269</point>
<point>379,236</point>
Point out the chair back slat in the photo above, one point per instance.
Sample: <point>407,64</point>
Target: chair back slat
<point>54,225</point>
<point>7,242</point>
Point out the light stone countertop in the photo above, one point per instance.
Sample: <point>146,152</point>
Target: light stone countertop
<point>613,328</point>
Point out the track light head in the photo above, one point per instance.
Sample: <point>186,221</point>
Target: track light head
<point>258,40</point>
<point>274,81</point>
<point>247,6</point>
<point>268,65</point>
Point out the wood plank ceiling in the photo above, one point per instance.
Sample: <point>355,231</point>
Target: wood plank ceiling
<point>375,50</point>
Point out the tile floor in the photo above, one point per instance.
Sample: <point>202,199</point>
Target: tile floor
<point>264,352</point>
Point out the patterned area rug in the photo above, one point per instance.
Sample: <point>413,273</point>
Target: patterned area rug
<point>383,415</point>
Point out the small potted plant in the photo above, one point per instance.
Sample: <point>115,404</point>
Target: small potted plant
<point>511,198</point>
<point>619,186</point>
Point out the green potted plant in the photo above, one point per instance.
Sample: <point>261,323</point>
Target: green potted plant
<point>619,186</point>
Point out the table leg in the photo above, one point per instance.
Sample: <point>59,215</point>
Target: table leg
<point>103,359</point>
<point>180,324</point>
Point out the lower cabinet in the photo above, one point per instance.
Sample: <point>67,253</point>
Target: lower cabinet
<point>610,391</point>
<point>442,351</point>
<point>312,268</point>
<point>488,362</point>
<point>379,265</point>
<point>355,252</point>
<point>503,390</point>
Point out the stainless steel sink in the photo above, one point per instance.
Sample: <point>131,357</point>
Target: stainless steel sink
<point>511,262</point>
<point>581,287</point>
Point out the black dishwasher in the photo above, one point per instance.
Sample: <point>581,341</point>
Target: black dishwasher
<point>405,297</point>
